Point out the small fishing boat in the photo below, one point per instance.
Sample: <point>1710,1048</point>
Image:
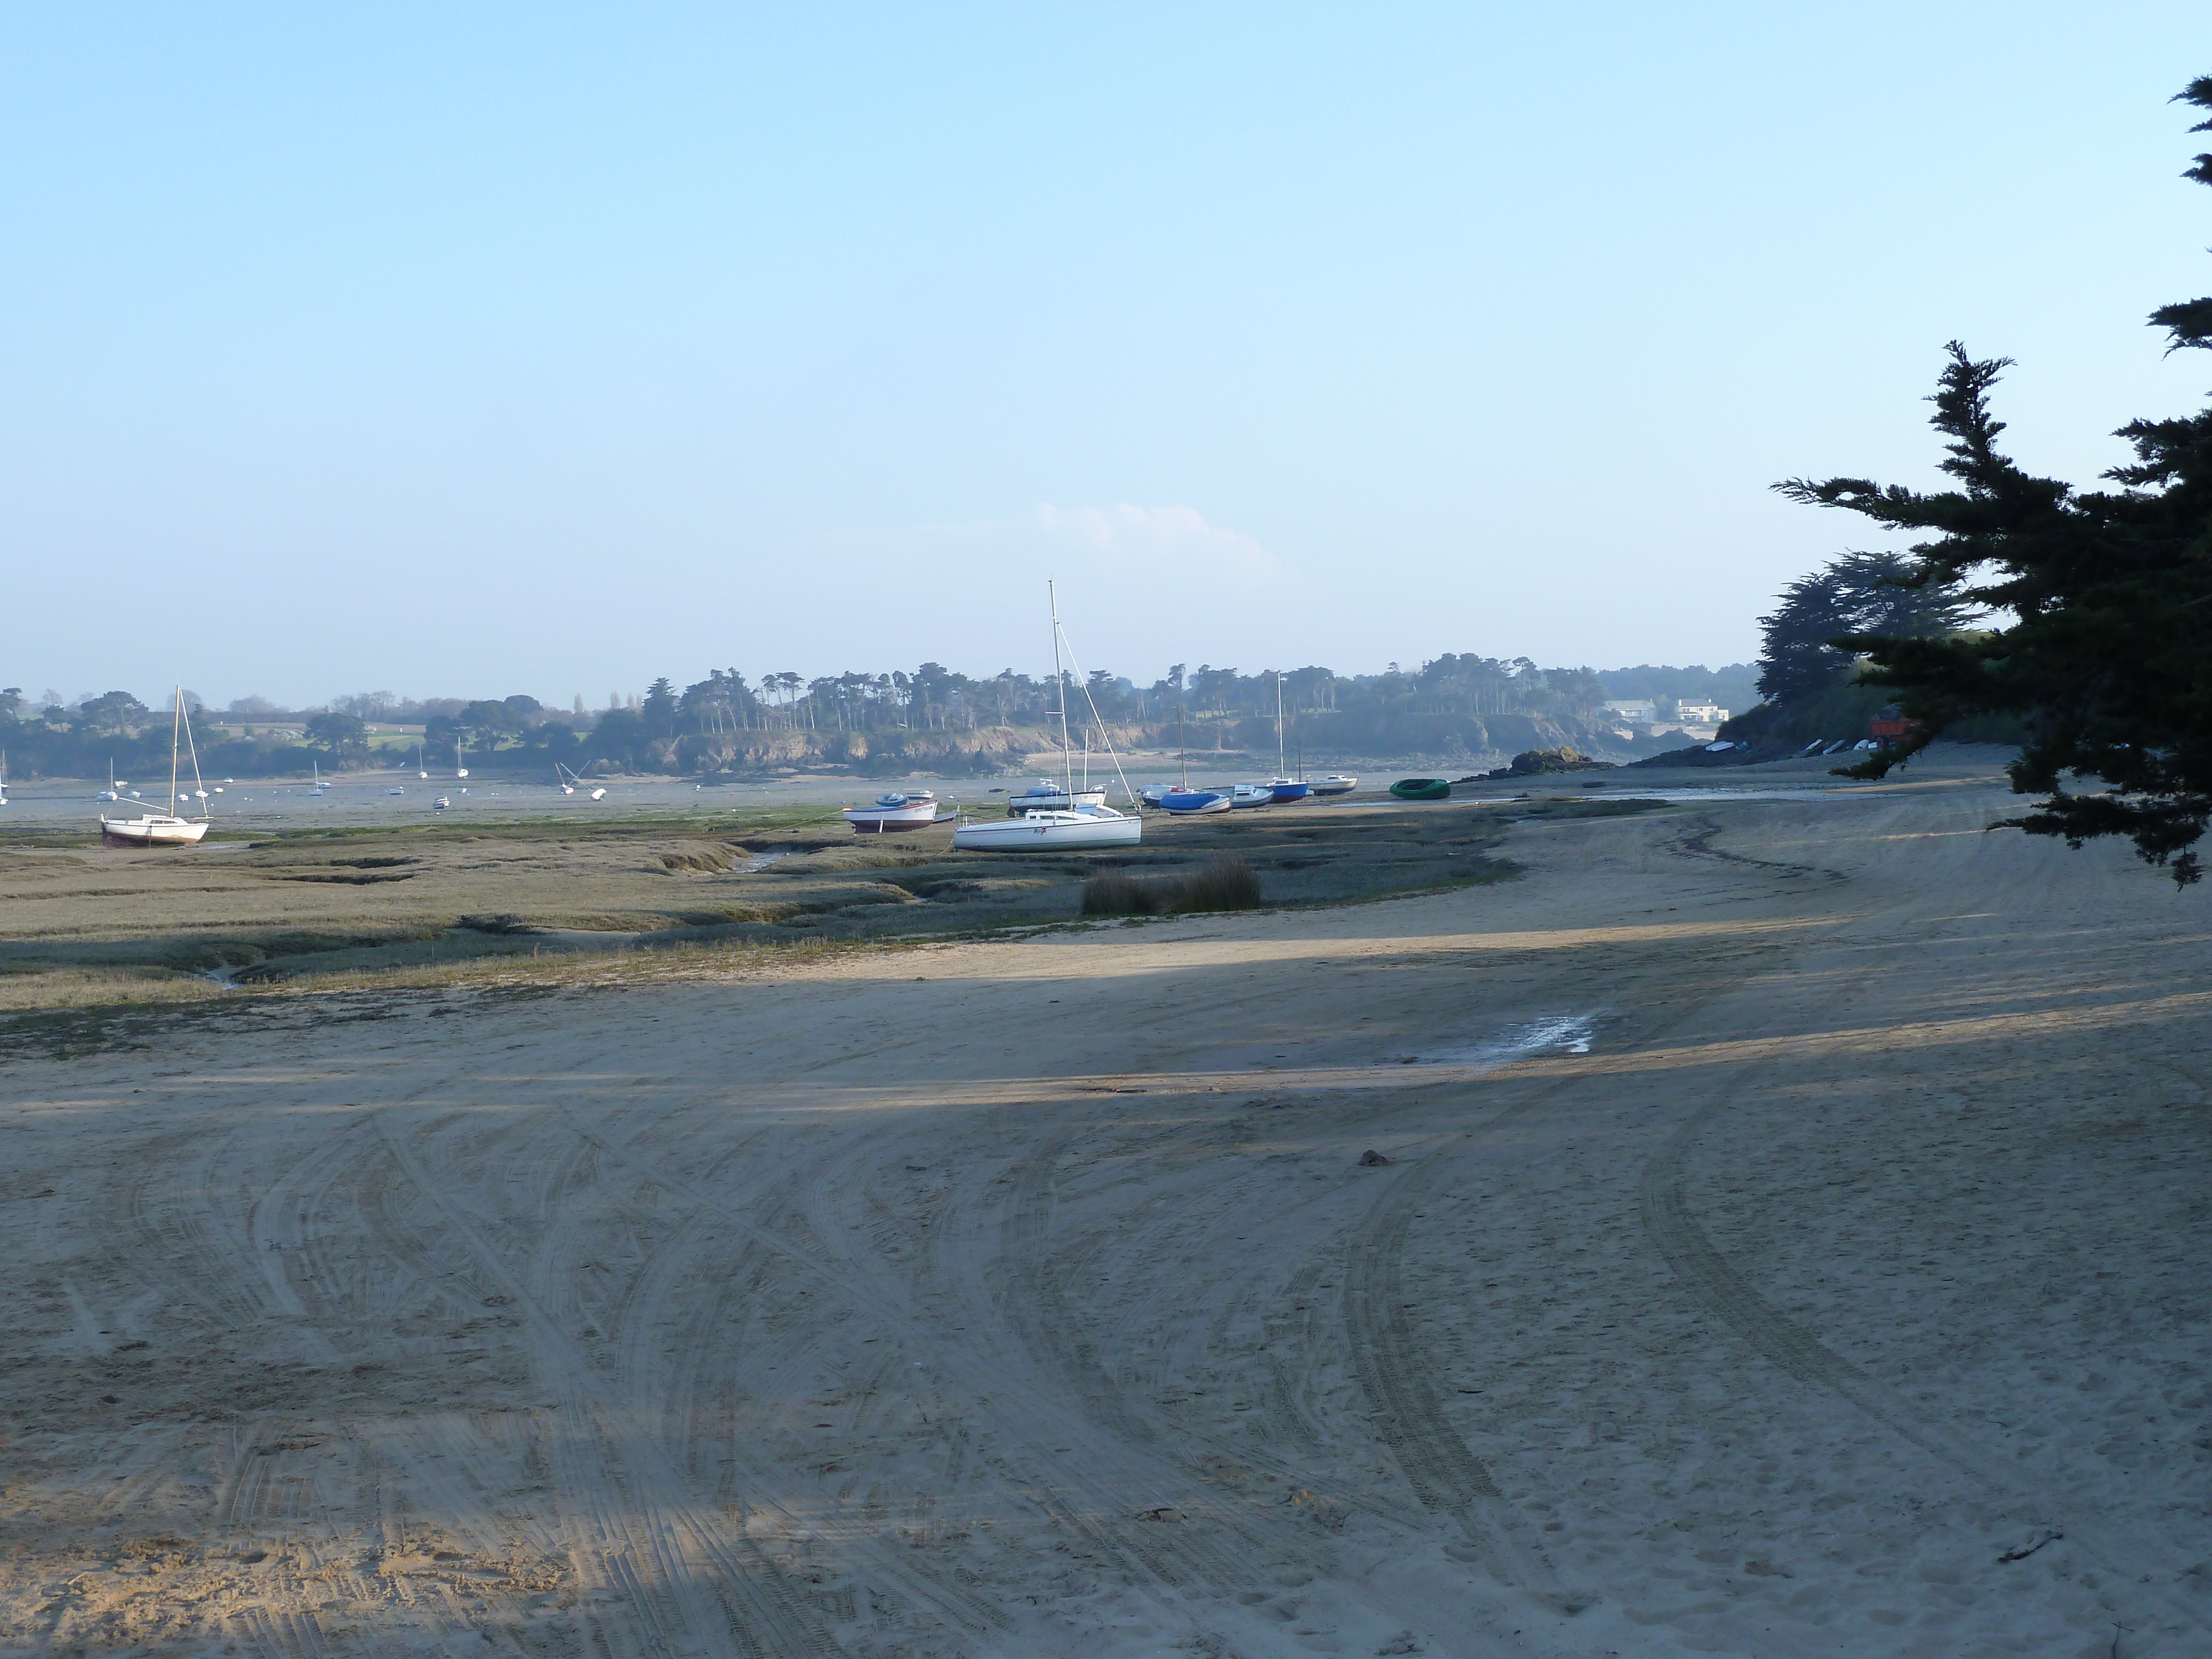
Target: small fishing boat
<point>443,803</point>
<point>1153,794</point>
<point>914,809</point>
<point>1284,789</point>
<point>388,792</point>
<point>1335,784</point>
<point>165,828</point>
<point>1422,789</point>
<point>1191,802</point>
<point>1251,795</point>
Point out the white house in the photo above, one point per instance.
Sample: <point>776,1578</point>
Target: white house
<point>1637,711</point>
<point>1701,714</point>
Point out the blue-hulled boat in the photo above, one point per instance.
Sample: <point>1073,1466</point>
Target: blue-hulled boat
<point>1194,801</point>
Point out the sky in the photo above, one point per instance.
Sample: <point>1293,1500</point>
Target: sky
<point>471,350</point>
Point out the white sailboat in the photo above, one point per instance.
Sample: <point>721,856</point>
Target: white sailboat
<point>114,790</point>
<point>1048,830</point>
<point>460,760</point>
<point>318,786</point>
<point>421,762</point>
<point>571,781</point>
<point>164,829</point>
<point>3,777</point>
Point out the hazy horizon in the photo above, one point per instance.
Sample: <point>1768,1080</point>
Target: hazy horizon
<point>466,353</point>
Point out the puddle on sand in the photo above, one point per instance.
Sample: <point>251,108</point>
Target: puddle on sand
<point>761,861</point>
<point>1570,1033</point>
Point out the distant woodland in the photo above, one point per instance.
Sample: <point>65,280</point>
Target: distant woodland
<point>1453,707</point>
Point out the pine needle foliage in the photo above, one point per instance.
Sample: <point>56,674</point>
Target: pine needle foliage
<point>2107,658</point>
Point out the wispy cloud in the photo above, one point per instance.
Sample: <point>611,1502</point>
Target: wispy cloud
<point>1151,533</point>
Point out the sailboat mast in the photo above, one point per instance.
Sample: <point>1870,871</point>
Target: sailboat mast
<point>176,723</point>
<point>1279,725</point>
<point>1060,678</point>
<point>1183,755</point>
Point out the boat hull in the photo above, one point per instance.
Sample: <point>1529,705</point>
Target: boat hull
<point>1195,802</point>
<point>1422,789</point>
<point>1283,789</point>
<point>1050,832</point>
<point>1336,785</point>
<point>876,820</point>
<point>1248,795</point>
<point>152,831</point>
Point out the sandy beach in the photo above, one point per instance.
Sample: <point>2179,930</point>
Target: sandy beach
<point>1784,1234</point>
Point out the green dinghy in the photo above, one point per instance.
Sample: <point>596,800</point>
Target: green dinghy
<point>1422,789</point>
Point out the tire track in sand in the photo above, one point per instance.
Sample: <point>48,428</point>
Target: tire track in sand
<point>1800,1355</point>
<point>640,1534</point>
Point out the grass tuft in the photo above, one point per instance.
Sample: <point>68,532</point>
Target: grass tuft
<point>1221,884</point>
<point>1225,883</point>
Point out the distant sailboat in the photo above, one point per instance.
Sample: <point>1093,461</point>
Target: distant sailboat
<point>114,790</point>
<point>1044,828</point>
<point>3,777</point>
<point>421,762</point>
<point>1183,800</point>
<point>1284,786</point>
<point>460,758</point>
<point>164,829</point>
<point>318,786</point>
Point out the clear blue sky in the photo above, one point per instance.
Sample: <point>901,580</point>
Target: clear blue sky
<point>475,350</point>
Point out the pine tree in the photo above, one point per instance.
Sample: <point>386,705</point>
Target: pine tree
<point>2108,659</point>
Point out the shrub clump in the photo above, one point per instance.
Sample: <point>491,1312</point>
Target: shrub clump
<point>1223,883</point>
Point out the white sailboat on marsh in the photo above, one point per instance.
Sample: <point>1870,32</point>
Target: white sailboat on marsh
<point>1045,829</point>
<point>165,828</point>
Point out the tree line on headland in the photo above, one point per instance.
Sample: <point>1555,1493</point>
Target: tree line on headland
<point>930,718</point>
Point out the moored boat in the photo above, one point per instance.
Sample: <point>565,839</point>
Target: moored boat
<point>1335,784</point>
<point>1251,795</point>
<point>914,809</point>
<point>1284,786</point>
<point>152,829</point>
<point>1044,831</point>
<point>1191,802</point>
<point>1076,817</point>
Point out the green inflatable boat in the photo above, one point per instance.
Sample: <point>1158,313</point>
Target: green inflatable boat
<point>1422,789</point>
